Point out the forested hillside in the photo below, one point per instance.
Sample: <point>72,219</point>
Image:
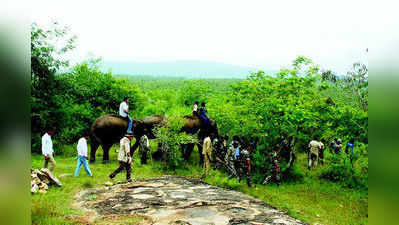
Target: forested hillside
<point>302,102</point>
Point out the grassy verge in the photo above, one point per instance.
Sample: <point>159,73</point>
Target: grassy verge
<point>313,200</point>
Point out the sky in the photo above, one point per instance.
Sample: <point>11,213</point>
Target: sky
<point>260,34</point>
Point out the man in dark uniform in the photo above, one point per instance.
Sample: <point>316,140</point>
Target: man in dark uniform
<point>229,159</point>
<point>203,114</point>
<point>274,169</point>
<point>336,145</point>
<point>144,148</point>
<point>244,168</point>
<point>218,152</point>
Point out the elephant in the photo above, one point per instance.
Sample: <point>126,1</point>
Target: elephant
<point>109,129</point>
<point>192,125</point>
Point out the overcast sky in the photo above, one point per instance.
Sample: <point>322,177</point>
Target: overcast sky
<point>261,34</point>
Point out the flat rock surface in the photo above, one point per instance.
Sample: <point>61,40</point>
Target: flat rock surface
<point>179,200</point>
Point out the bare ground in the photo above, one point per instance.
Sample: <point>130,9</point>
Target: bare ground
<point>175,200</point>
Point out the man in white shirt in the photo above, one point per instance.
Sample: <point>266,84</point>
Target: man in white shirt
<point>313,154</point>
<point>195,108</point>
<point>82,156</point>
<point>124,112</point>
<point>124,158</point>
<point>47,150</point>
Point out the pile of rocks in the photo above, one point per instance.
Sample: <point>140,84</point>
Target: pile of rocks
<point>41,179</point>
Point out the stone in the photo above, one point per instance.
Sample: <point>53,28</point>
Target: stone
<point>36,180</point>
<point>34,188</point>
<point>165,200</point>
<point>43,186</point>
<point>40,179</point>
<point>52,178</point>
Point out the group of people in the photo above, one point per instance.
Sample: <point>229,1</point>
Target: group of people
<point>235,157</point>
<point>316,151</point>
<point>201,112</point>
<point>124,157</point>
<point>49,154</point>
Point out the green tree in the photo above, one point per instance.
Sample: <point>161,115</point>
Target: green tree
<point>46,48</point>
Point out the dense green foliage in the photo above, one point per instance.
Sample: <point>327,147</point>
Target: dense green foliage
<point>170,139</point>
<point>300,102</point>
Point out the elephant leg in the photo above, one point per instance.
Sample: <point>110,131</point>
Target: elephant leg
<point>184,151</point>
<point>93,148</point>
<point>157,155</point>
<point>144,156</point>
<point>106,148</point>
<point>189,149</point>
<point>134,147</point>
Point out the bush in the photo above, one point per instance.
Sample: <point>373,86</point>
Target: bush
<point>341,170</point>
<point>171,139</point>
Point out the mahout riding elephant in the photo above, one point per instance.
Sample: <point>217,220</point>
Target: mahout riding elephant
<point>192,125</point>
<point>109,129</point>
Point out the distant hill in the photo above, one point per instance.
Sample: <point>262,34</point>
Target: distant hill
<point>186,69</point>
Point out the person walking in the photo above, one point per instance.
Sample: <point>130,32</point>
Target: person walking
<point>313,153</point>
<point>207,152</point>
<point>144,147</point>
<point>349,149</point>
<point>245,164</point>
<point>218,152</point>
<point>336,146</point>
<point>321,153</point>
<point>274,168</point>
<point>48,151</point>
<point>229,159</point>
<point>124,158</point>
<point>82,157</point>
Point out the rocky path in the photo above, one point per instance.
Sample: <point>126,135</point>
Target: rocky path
<point>179,200</point>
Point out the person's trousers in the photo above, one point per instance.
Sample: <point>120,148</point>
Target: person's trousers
<point>82,161</point>
<point>129,128</point>
<point>143,151</point>
<point>313,158</point>
<point>130,122</point>
<point>51,161</point>
<point>207,164</point>
<point>122,166</point>
<point>231,168</point>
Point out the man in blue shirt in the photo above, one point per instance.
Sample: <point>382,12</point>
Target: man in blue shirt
<point>350,146</point>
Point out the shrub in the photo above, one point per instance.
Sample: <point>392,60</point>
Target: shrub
<point>341,170</point>
<point>171,140</point>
